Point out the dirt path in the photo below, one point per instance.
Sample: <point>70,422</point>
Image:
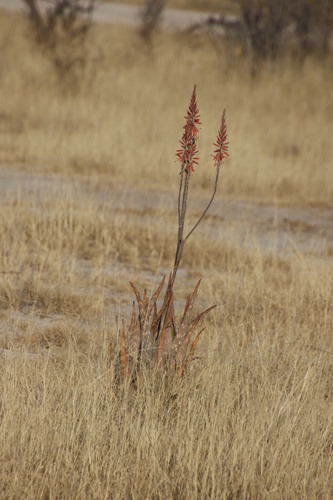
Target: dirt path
<point>249,225</point>
<point>128,15</point>
<point>306,234</point>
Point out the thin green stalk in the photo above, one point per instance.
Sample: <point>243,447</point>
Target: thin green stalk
<point>180,240</point>
<point>180,191</point>
<point>209,204</point>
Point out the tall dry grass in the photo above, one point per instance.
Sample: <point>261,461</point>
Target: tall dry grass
<point>120,114</point>
<point>254,415</point>
<point>253,418</point>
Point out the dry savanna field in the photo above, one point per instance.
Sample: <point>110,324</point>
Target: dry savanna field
<point>89,186</point>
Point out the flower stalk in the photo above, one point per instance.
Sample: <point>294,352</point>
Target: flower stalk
<point>187,156</point>
<point>154,337</point>
<point>220,154</point>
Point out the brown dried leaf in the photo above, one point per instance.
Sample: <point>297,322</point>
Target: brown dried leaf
<point>153,300</point>
<point>184,324</point>
<point>190,354</point>
<point>189,304</point>
<point>138,296</point>
<point>180,347</point>
<point>165,341</point>
<point>164,307</point>
<point>145,300</point>
<point>154,315</point>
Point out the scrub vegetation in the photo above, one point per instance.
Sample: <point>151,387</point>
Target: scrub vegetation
<point>89,183</point>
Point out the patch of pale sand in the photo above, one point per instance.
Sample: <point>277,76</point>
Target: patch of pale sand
<point>248,225</point>
<point>131,15</point>
<point>270,230</point>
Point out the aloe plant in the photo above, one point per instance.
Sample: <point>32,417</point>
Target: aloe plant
<point>153,337</point>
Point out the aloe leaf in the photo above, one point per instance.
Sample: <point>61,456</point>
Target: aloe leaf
<point>138,296</point>
<point>184,324</point>
<point>164,307</point>
<point>189,304</point>
<point>154,298</point>
<point>181,344</point>
<point>190,354</point>
<point>165,341</point>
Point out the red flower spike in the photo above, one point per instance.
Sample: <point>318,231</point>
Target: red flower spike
<point>188,145</point>
<point>221,142</point>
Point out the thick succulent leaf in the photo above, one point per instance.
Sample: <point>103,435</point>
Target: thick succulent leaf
<point>190,355</point>
<point>180,345</point>
<point>202,314</point>
<point>145,301</point>
<point>153,300</point>
<point>154,315</point>
<point>138,299</point>
<point>185,322</point>
<point>152,335</point>
<point>154,328</point>
<point>165,341</point>
<point>146,306</point>
<point>145,330</point>
<point>186,308</point>
<point>189,305</point>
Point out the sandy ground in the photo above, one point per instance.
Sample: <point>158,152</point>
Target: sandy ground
<point>129,15</point>
<point>266,228</point>
<point>283,231</point>
<point>250,225</point>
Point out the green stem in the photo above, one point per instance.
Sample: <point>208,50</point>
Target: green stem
<point>180,239</point>
<point>209,204</point>
<point>180,191</point>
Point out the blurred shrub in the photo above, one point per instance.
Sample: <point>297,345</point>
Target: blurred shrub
<point>151,16</point>
<point>61,30</point>
<point>270,25</point>
<point>313,24</point>
<point>264,23</point>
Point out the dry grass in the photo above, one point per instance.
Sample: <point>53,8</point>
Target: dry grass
<point>254,416</point>
<point>122,114</point>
